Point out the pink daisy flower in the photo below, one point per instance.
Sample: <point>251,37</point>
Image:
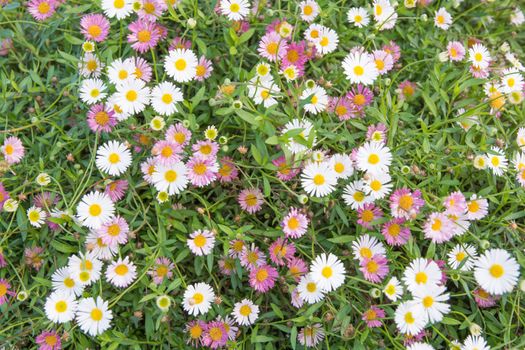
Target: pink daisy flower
<point>33,257</point>
<point>202,171</point>
<point>195,330</point>
<point>252,257</point>
<point>46,200</point>
<point>384,61</point>
<point>4,195</point>
<point>147,168</point>
<point>94,27</point>
<point>406,90</point>
<point>295,224</point>
<point>114,232</point>
<point>285,171</point>
<point>484,299</point>
<point>479,73</point>
<point>411,339</point>
<point>3,262</point>
<point>6,45</point>
<point>101,118</point>
<point>48,340</point>
<point>375,268</point>
<point>204,69</point>
<point>395,234</point>
<point>144,35</point>
<point>272,47</point>
<point>281,251</point>
<point>296,299</point>
<point>162,269</point>
<point>342,107</point>
<point>455,203</point>
<point>179,43</point>
<point>151,9</point>
<point>215,335</point>
<point>205,149</point>
<point>4,291</point>
<point>231,328</point>
<point>367,214</point>
<point>262,278</point>
<point>443,267</point>
<point>373,316</point>
<point>377,133</point>
<point>360,97</point>
<point>297,268</point>
<point>405,203</point>
<point>13,150</point>
<point>438,228</point>
<point>227,266</point>
<point>166,152</point>
<point>41,9</point>
<point>116,189</point>
<point>179,134</point>
<point>228,170</point>
<point>236,248</point>
<point>251,200</point>
<point>143,69</point>
<point>310,336</point>
<point>294,55</point>
<point>455,51</point>
<point>393,49</point>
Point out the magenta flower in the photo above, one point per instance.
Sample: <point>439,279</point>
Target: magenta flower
<point>395,233</point>
<point>455,204</point>
<point>375,268</point>
<point>342,107</point>
<point>285,171</point>
<point>4,291</point>
<point>360,97</point>
<point>202,171</point>
<point>114,232</point>
<point>143,69</point>
<point>373,316</point>
<point>295,224</point>
<point>406,90</point>
<point>484,299</point>
<point>13,150</point>
<point>33,257</point>
<point>456,51</point>
<point>162,269</point>
<point>252,257</point>
<point>236,248</point>
<point>46,200</point>
<point>377,133</point>
<point>204,69</point>
<point>144,35</point>
<point>479,73</point>
<point>438,228</point>
<point>228,170</point>
<point>116,190</point>
<point>262,278</point>
<point>94,27</point>
<point>179,43</point>
<point>215,335</point>
<point>272,46</point>
<point>281,251</point>
<point>166,152</point>
<point>195,330</point>
<point>4,195</point>
<point>295,55</point>
<point>179,134</point>
<point>367,214</point>
<point>226,265</point>
<point>393,49</point>
<point>101,118</point>
<point>41,9</point>
<point>205,148</point>
<point>405,203</point>
<point>297,268</point>
<point>251,200</point>
<point>48,340</point>
<point>152,9</point>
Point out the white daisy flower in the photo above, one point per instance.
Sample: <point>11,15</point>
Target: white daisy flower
<point>181,65</point>
<point>235,10</point>
<point>263,71</point>
<point>85,268</point>
<point>95,209</point>
<point>117,8</point>
<point>355,195</point>
<point>117,109</point>
<point>479,56</point>
<point>497,161</point>
<point>393,289</point>
<point>327,41</point>
<point>201,242</point>
<point>120,71</point>
<point>496,271</point>
<point>462,257</point>
<point>263,91</point>
<point>328,272</point>
<point>358,16</point>
<point>170,178</point>
<point>63,281</point>
<point>309,290</point>
<point>477,208</point>
<point>94,316</point>
<point>360,67</point>
<point>421,273</point>
<point>100,250</point>
<point>342,165</point>
<point>408,320</point>
<point>520,138</point>
<point>373,158</point>
<point>432,303</point>
<point>132,96</point>
<point>121,273</point>
<point>307,128</point>
<point>90,65</point>
<point>309,10</point>
<point>113,158</point>
<point>384,14</point>
<point>443,19</point>
<point>92,91</point>
<point>245,312</point>
<point>378,186</point>
<point>318,179</point>
<point>164,98</point>
<point>367,246</point>
<point>312,33</point>
<point>198,298</point>
<point>420,346</point>
<point>36,216</point>
<point>511,80</point>
<point>60,307</point>
<point>318,99</point>
<point>475,342</point>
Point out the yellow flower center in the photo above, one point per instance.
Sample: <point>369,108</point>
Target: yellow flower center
<point>50,340</point>
<point>96,314</point>
<point>118,4</point>
<point>293,223</point>
<point>44,8</point>
<point>496,270</point>
<point>170,175</point>
<point>372,266</point>
<point>308,10</point>
<point>235,7</point>
<point>367,215</point>
<point>251,200</point>
<point>198,298</point>
<point>319,180</point>
<point>195,331</point>
<point>121,269</point>
<point>61,306</point>
<point>95,209</point>
<point>421,278</point>
<point>271,48</point>
<point>215,333</point>
<point>144,36</point>
<point>102,118</point>
<point>428,301</point>
<point>114,158</point>
<point>409,318</point>
<point>376,185</point>
<point>359,70</point>
<point>394,230</point>
<point>199,241</point>
<point>359,196</point>
<point>94,30</point>
<point>327,272</point>
<point>365,252</point>
<point>380,64</point>
<point>261,275</point>
<point>131,95</point>
<point>436,225</point>
<point>68,282</point>
<point>180,64</point>
<point>245,310</point>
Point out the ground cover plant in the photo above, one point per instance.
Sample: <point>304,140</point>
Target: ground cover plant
<point>262,174</point>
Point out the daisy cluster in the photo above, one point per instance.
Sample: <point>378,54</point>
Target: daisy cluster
<point>299,174</point>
